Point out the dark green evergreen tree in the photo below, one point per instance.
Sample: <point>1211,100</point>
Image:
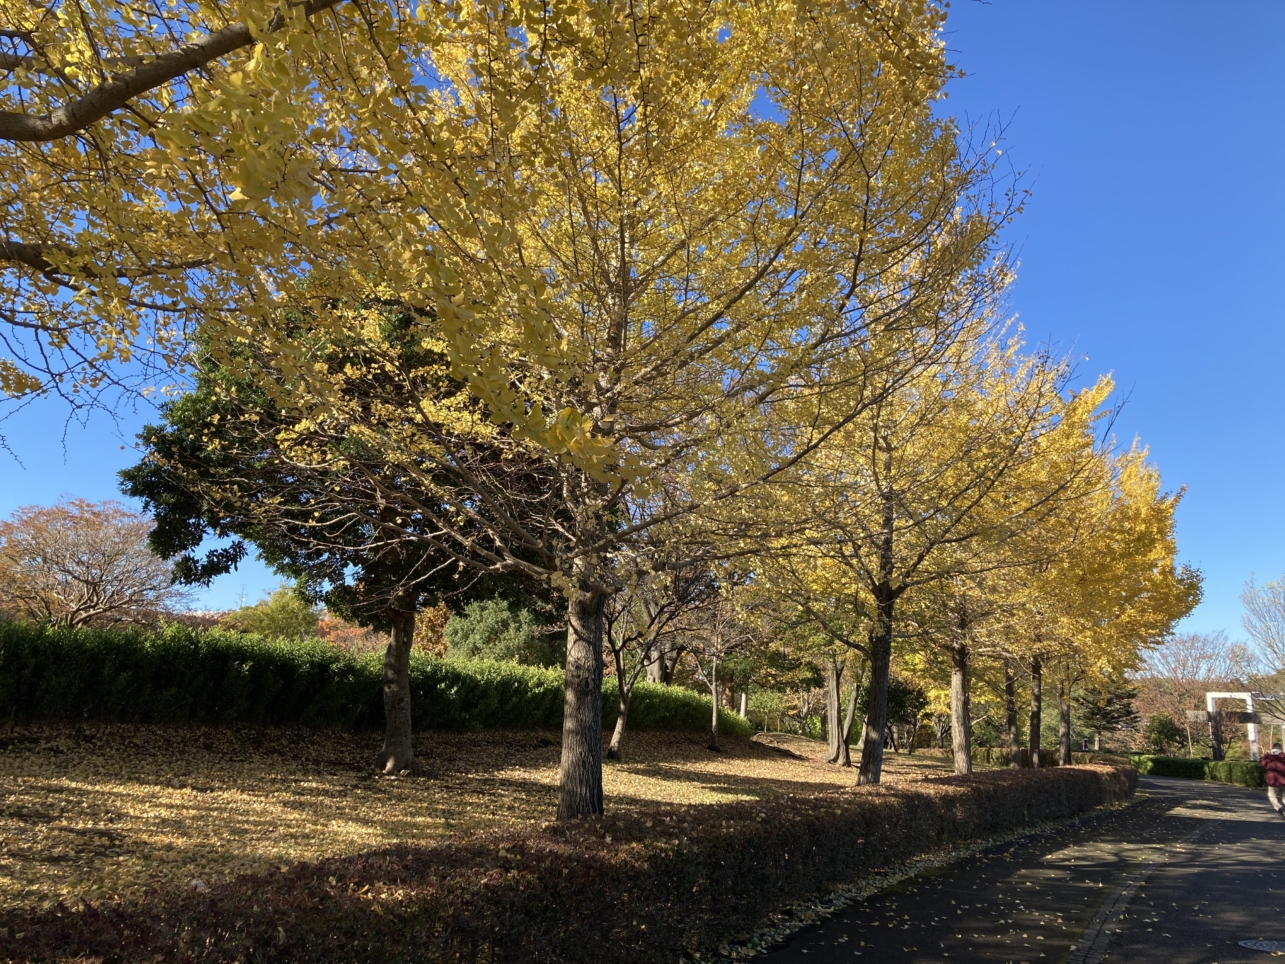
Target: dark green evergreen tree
<point>235,461</point>
<point>1106,707</point>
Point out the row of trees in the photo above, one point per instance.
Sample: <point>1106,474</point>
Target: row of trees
<point>638,310</point>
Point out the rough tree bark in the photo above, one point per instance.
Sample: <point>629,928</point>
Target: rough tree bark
<point>1037,705</point>
<point>961,735</point>
<point>398,755</point>
<point>1064,723</point>
<point>580,777</point>
<point>1010,717</point>
<point>877,706</point>
<point>838,743</point>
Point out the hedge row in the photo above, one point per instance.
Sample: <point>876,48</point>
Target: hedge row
<point>1242,773</point>
<point>999,756</point>
<point>634,890</point>
<point>182,675</point>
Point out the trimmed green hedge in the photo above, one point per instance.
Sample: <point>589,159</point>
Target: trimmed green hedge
<point>1238,772</point>
<point>182,675</point>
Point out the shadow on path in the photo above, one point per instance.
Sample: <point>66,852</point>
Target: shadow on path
<point>1035,898</point>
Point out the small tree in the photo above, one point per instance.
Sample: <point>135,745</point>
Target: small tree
<point>82,563</point>
<point>285,613</point>
<point>1161,734</point>
<point>648,626</point>
<point>1107,708</point>
<point>728,627</point>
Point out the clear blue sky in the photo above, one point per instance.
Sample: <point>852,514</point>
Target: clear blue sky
<point>1152,134</point>
<point>1152,244</point>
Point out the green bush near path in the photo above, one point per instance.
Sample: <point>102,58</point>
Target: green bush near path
<point>182,675</point>
<point>1237,772</point>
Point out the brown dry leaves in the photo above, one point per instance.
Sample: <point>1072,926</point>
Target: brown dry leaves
<point>115,811</point>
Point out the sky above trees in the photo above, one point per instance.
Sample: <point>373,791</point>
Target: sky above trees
<point>1150,138</point>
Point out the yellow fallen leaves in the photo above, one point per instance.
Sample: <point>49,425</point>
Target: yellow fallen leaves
<point>116,811</point>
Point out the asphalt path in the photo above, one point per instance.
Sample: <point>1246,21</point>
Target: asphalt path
<point>1180,877</point>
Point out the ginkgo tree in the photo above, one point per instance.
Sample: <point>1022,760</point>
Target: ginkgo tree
<point>918,489</point>
<point>639,234</point>
<point>1117,590</point>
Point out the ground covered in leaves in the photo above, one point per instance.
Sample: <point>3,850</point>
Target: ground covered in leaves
<point>113,811</point>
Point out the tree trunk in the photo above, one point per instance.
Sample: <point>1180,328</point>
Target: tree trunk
<point>1010,717</point>
<point>398,755</point>
<point>877,706</point>
<point>845,755</point>
<point>580,777</point>
<point>1037,705</point>
<point>1064,723</point>
<point>624,690</point>
<point>961,735</point>
<point>713,698</point>
<point>833,673</point>
<point>1216,735</point>
<point>656,667</point>
<point>1190,752</point>
<point>613,751</point>
<point>745,697</point>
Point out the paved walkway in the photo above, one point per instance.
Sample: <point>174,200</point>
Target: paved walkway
<point>1179,878</point>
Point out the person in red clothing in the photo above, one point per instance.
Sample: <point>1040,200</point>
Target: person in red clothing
<point>1274,764</point>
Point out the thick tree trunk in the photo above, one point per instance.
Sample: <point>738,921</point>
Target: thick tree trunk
<point>1010,717</point>
<point>877,706</point>
<point>1064,723</point>
<point>713,699</point>
<point>1037,705</point>
<point>398,755</point>
<point>961,735</point>
<point>833,673</point>
<point>656,669</point>
<point>580,778</point>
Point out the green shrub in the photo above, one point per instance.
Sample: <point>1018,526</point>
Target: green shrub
<point>655,706</point>
<point>638,889</point>
<point>1169,766</point>
<point>1240,772</point>
<point>501,630</point>
<point>182,675</point>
